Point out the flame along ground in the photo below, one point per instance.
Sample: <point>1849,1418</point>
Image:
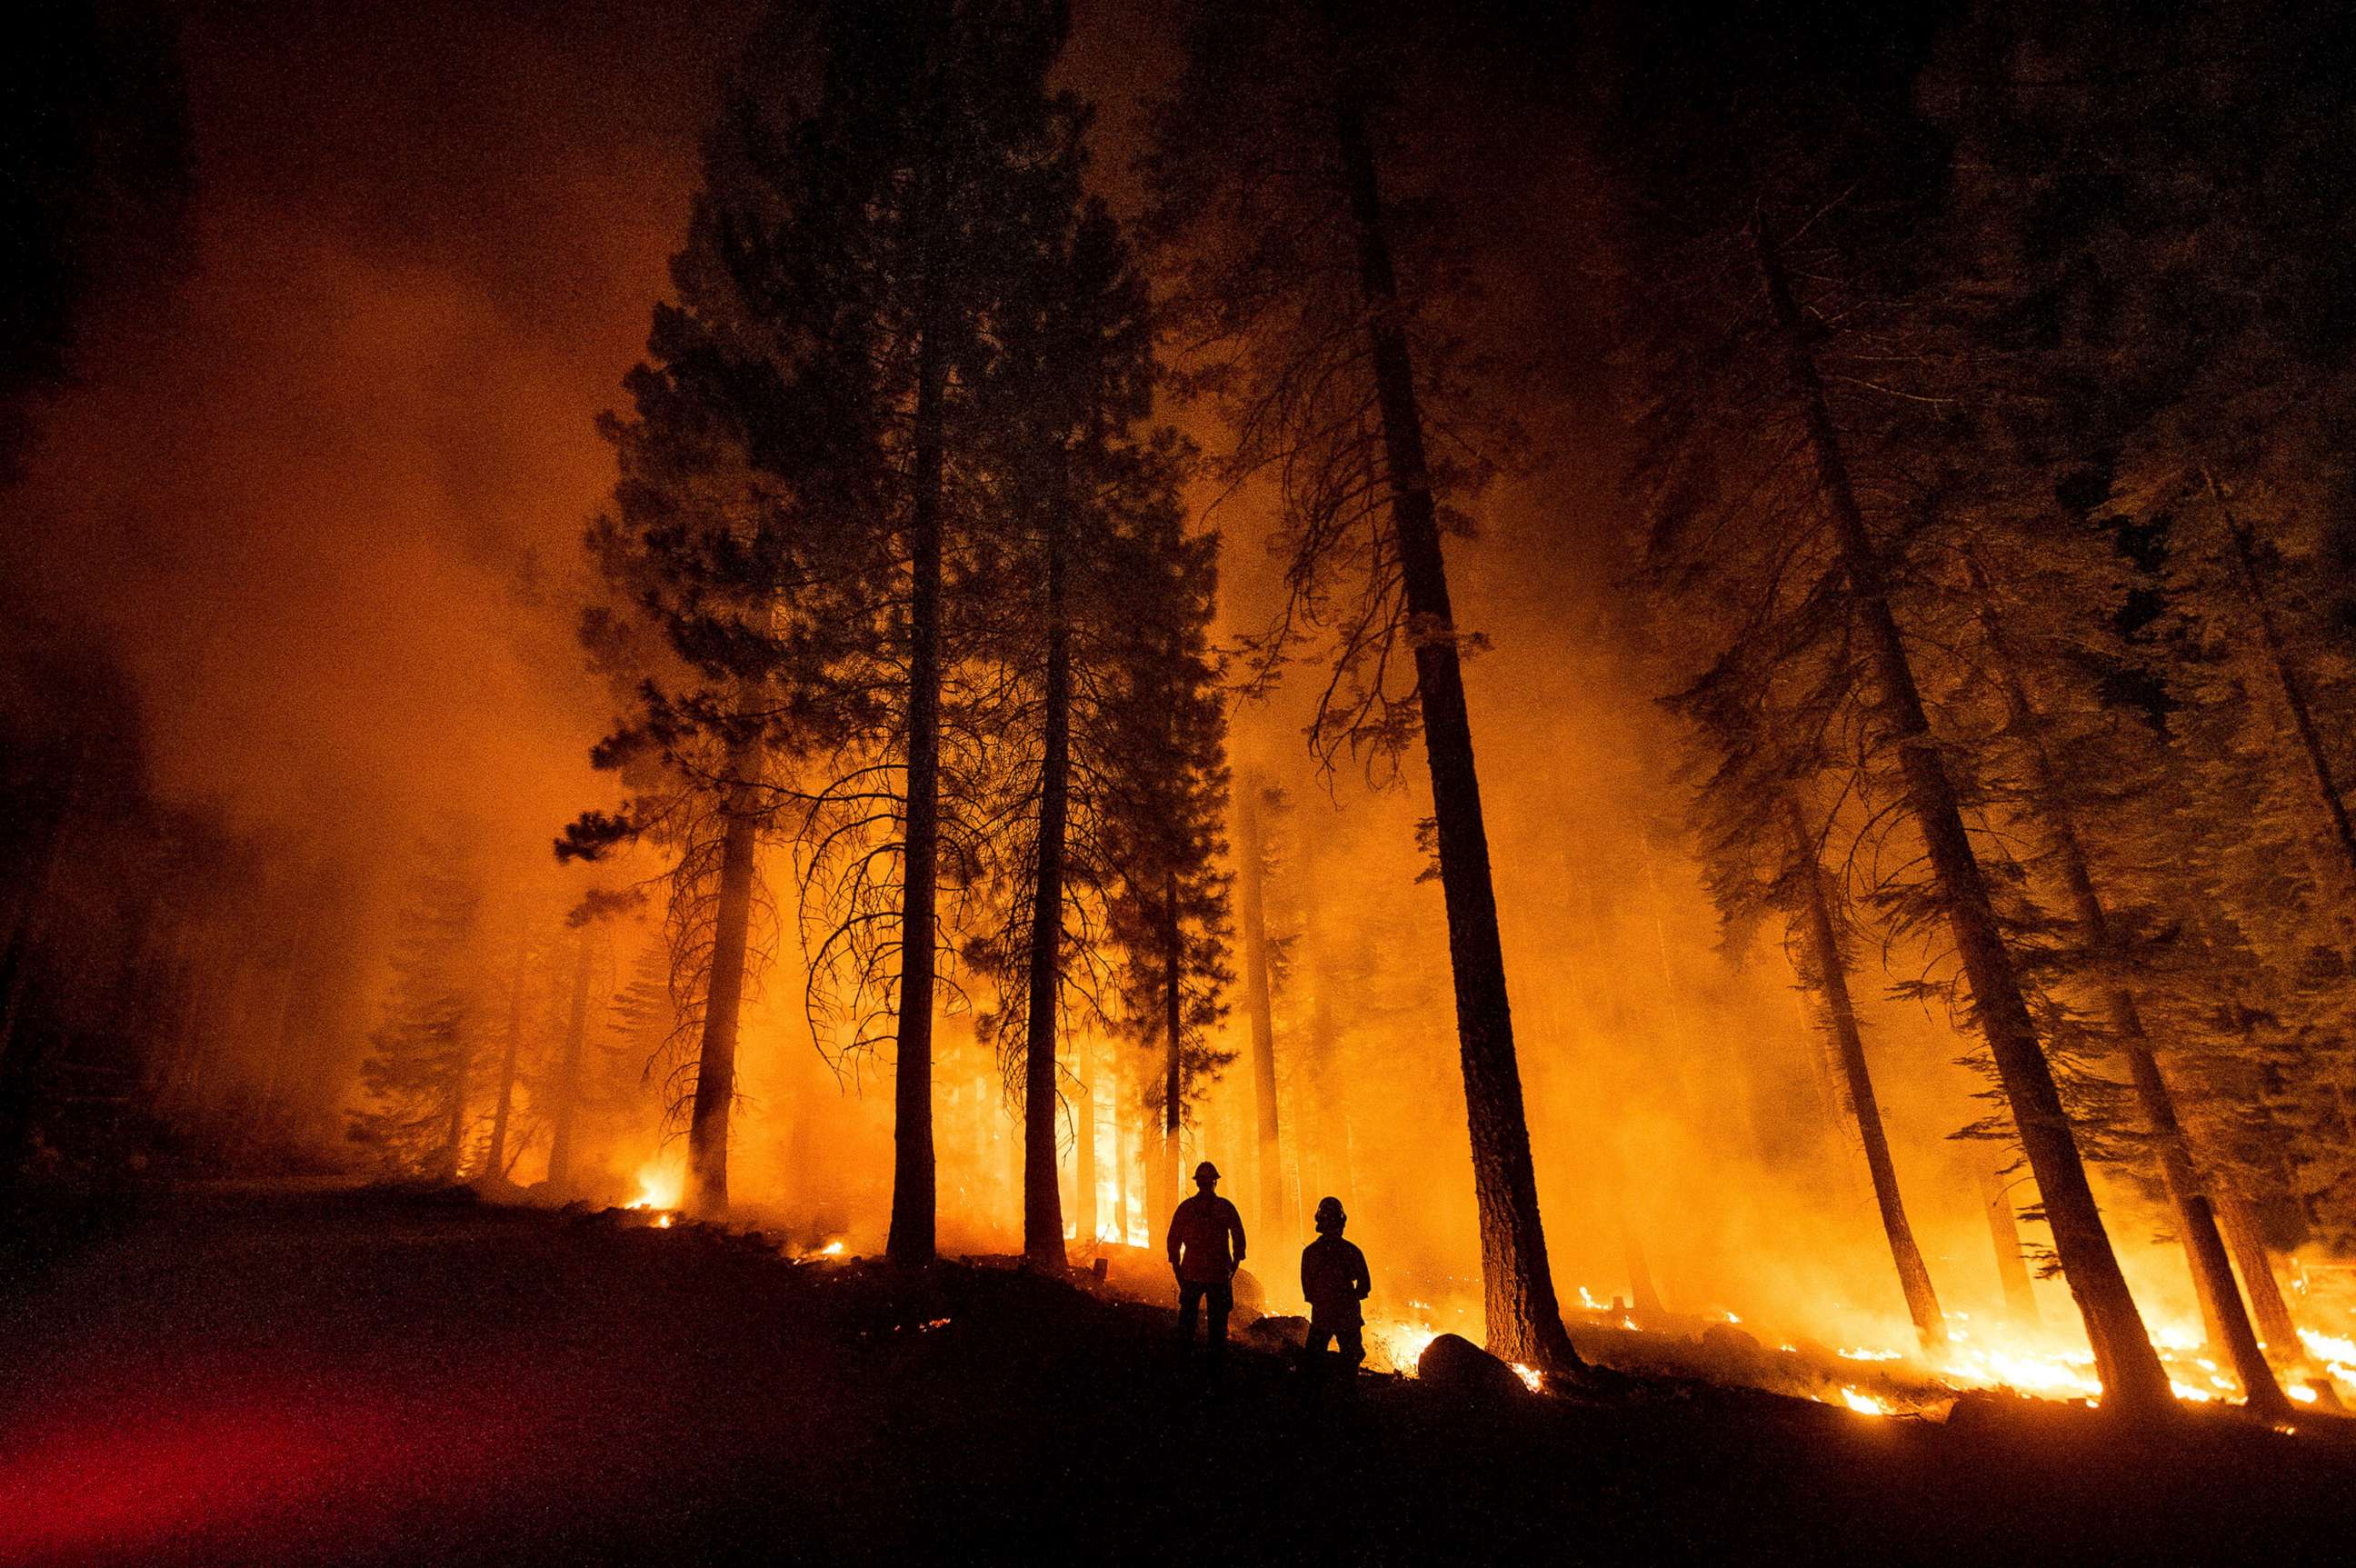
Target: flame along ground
<point>1980,1355</point>
<point>2038,1361</point>
<point>661,1184</point>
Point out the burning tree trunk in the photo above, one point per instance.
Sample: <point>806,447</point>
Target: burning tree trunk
<point>2133,1380</point>
<point>1831,978</point>
<point>568,1070</point>
<point>911,1241</point>
<point>495,1167</point>
<point>2196,1224</point>
<point>1251,866</point>
<point>723,1000</point>
<point>1524,1321</point>
<point>1043,1213</point>
<point>2004,1231</point>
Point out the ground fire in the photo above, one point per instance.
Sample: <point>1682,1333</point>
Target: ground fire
<point>1169,778</point>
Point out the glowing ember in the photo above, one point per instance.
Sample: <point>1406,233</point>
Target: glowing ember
<point>1532,1378</point>
<point>1864,1403</point>
<point>663,1223</point>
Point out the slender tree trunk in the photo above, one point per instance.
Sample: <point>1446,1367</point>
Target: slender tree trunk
<point>715,1063</point>
<point>914,1199</point>
<point>1524,1321</point>
<point>1329,1126</point>
<point>1084,1154</point>
<point>1173,1068</point>
<point>2212,1271</point>
<point>1124,1164</point>
<point>453,1103</point>
<point>496,1167</point>
<point>568,1071</point>
<point>1251,864</point>
<point>1043,1213</point>
<point>1865,1106</point>
<point>2133,1380</point>
<point>2004,1231</point>
<point>1324,1172</point>
<point>2249,1249</point>
<point>2329,800</point>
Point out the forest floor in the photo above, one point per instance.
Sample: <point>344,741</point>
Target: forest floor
<point>273,1377</point>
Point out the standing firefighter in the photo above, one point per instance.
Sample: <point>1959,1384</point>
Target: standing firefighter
<point>1333,1277</point>
<point>1206,1247</point>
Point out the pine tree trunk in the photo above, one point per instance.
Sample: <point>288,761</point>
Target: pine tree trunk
<point>2213,1274</point>
<point>1173,1068</point>
<point>1085,1219</point>
<point>496,1167</point>
<point>912,1240</point>
<point>2134,1382</point>
<point>2317,767</point>
<point>706,1195</point>
<point>1124,1166</point>
<point>1865,1106</point>
<point>1251,870</point>
<point>2004,1231</point>
<point>2249,1249</point>
<point>1524,1321</point>
<point>453,1103</point>
<point>1043,1213</point>
<point>1329,1122</point>
<point>1320,1174</point>
<point>567,1072</point>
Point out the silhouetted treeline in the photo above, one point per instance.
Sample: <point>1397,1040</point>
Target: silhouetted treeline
<point>1988,396</point>
<point>1976,379</point>
<point>176,994</point>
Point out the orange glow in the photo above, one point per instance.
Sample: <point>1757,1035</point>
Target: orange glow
<point>661,1184</point>
<point>1401,1344</point>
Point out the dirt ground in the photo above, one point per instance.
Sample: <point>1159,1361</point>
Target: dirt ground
<point>260,1378</point>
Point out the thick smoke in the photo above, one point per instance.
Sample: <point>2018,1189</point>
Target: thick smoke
<point>325,509</point>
